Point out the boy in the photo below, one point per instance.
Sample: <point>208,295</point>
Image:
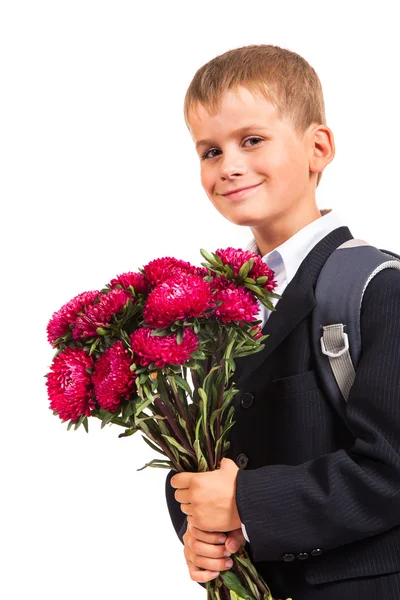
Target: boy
<point>317,496</point>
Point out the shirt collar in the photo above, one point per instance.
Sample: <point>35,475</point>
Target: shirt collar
<point>294,250</point>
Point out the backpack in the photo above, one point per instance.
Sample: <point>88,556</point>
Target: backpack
<point>336,328</point>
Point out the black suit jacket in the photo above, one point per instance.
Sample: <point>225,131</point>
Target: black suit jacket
<point>315,490</point>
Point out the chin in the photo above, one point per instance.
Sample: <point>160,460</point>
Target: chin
<point>246,220</point>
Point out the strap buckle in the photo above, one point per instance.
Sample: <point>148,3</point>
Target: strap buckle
<point>339,352</point>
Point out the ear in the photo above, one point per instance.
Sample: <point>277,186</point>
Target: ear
<point>322,148</point>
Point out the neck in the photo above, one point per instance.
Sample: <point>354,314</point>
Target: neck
<point>274,234</point>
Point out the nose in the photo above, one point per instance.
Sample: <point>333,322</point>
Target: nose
<point>232,165</point>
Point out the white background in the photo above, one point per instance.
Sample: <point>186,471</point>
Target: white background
<point>99,176</point>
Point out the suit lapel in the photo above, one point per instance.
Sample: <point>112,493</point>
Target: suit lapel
<point>297,301</point>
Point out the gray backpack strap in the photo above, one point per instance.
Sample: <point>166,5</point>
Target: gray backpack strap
<point>336,318</point>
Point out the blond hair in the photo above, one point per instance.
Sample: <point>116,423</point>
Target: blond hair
<point>285,79</point>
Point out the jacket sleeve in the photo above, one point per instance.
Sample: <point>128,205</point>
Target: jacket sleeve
<point>178,518</point>
<point>347,495</point>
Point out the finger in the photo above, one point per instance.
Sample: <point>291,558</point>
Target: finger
<point>181,480</point>
<point>186,508</point>
<point>233,543</point>
<point>201,575</point>
<point>182,496</point>
<point>206,550</point>
<point>211,564</point>
<point>214,537</point>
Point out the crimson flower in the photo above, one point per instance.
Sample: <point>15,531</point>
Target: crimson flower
<point>136,280</point>
<point>99,315</point>
<point>238,303</point>
<point>161,269</point>
<point>181,297</point>
<point>61,320</point>
<point>163,350</point>
<point>112,378</point>
<point>237,258</point>
<point>69,384</point>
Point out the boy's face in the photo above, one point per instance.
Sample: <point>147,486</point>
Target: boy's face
<point>245,145</point>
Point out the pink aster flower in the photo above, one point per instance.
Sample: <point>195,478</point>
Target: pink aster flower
<point>112,378</point>
<point>164,350</point>
<point>136,280</point>
<point>238,303</point>
<point>237,258</point>
<point>161,269</point>
<point>181,297</point>
<point>61,320</point>
<point>69,384</point>
<point>99,315</point>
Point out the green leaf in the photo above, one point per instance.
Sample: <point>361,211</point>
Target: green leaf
<point>201,461</point>
<point>197,430</point>
<point>106,419</point>
<point>160,332</point>
<point>143,405</point>
<point>234,583</point>
<point>202,394</point>
<point>229,272</point>
<point>207,256</point>
<point>177,445</point>
<point>153,446</point>
<point>143,377</point>
<point>244,270</point>
<point>127,433</point>
<point>218,412</point>
<point>229,349</point>
<point>262,280</point>
<point>159,464</point>
<point>128,410</point>
<point>79,422</point>
<point>94,346</point>
<point>184,426</point>
<point>182,383</point>
<point>85,424</point>
<point>253,288</point>
<point>179,336</point>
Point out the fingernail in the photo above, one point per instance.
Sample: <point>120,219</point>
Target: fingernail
<point>228,563</point>
<point>234,545</point>
<point>227,553</point>
<point>222,539</point>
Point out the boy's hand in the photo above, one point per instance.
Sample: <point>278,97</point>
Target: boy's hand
<point>209,498</point>
<point>205,555</point>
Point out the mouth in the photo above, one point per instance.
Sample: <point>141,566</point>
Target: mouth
<point>241,192</point>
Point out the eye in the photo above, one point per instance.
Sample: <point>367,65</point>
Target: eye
<point>206,157</point>
<point>254,138</point>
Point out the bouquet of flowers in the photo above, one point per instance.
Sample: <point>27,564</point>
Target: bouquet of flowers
<point>154,351</point>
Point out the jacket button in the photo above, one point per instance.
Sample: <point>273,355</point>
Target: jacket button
<point>288,557</point>
<point>241,461</point>
<point>247,400</point>
<point>316,552</point>
<point>302,555</point>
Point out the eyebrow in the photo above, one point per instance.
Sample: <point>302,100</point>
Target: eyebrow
<point>253,127</point>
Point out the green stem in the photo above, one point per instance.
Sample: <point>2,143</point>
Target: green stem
<point>174,426</point>
<point>184,412</point>
<point>154,438</point>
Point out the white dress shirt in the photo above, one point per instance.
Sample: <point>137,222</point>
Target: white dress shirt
<point>286,259</point>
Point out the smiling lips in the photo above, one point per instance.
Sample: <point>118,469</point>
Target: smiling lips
<point>240,192</point>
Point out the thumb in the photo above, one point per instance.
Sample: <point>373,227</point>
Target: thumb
<point>234,540</point>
